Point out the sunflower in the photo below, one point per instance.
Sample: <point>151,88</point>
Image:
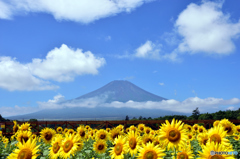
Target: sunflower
<point>173,134</point>
<point>132,128</point>
<point>25,127</point>
<point>5,141</point>
<point>119,148</point>
<point>59,129</point>
<point>188,127</point>
<point>150,151</point>
<point>195,127</point>
<point>206,151</point>
<point>69,146</point>
<point>127,130</point>
<point>147,138</point>
<point>82,132</point>
<point>147,130</point>
<point>228,126</point>
<point>201,129</point>
<point>141,127</point>
<point>15,127</point>
<point>215,124</point>
<point>79,142</point>
<point>87,127</point>
<point>102,135</point>
<point>133,142</point>
<point>47,134</point>
<point>70,131</point>
<point>217,135</point>
<point>100,146</point>
<point>34,136</point>
<point>54,150</point>
<point>65,130</point>
<point>236,137</point>
<point>237,129</point>
<point>23,136</point>
<point>108,129</point>
<point>120,127</point>
<point>91,134</point>
<point>185,153</point>
<point>202,139</point>
<point>190,136</point>
<point>26,150</point>
<point>114,134</point>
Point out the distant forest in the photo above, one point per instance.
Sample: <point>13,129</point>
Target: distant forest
<point>196,115</point>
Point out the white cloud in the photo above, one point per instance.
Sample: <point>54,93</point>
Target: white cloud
<point>17,76</point>
<point>17,110</point>
<point>63,64</point>
<point>205,105</point>
<point>205,28</point>
<point>148,50</point>
<point>161,84</point>
<point>5,10</point>
<point>84,11</point>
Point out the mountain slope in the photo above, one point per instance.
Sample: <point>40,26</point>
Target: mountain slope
<point>121,91</point>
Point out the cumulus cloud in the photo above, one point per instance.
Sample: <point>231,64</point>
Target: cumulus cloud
<point>84,11</point>
<point>34,75</point>
<point>148,50</point>
<point>17,76</point>
<point>209,105</point>
<point>76,62</point>
<point>161,84</point>
<point>205,28</point>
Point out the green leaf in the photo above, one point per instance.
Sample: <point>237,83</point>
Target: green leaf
<point>45,152</point>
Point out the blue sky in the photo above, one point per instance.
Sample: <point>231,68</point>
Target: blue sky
<point>185,51</point>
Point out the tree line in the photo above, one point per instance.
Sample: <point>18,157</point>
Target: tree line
<point>196,115</point>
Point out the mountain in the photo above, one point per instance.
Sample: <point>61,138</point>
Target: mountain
<point>118,90</point>
<point>122,91</point>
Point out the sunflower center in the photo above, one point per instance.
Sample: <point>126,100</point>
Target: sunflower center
<point>228,129</point>
<point>102,136</point>
<point>148,140</point>
<point>189,128</point>
<point>82,133</point>
<point>174,135</point>
<point>56,147</point>
<point>147,131</point>
<point>100,146</point>
<point>215,138</point>
<point>48,136</point>
<point>67,146</point>
<point>24,138</point>
<point>200,130</point>
<point>118,149</point>
<point>25,154</point>
<point>205,141</point>
<point>195,128</point>
<point>189,136</point>
<point>115,135</point>
<point>141,128</point>
<point>150,155</point>
<point>182,155</point>
<point>132,143</point>
<point>217,157</point>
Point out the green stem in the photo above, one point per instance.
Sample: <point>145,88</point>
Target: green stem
<point>175,153</point>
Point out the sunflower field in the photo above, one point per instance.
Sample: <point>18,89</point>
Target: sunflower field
<point>174,140</point>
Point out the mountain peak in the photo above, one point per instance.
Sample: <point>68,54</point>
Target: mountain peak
<point>122,91</point>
